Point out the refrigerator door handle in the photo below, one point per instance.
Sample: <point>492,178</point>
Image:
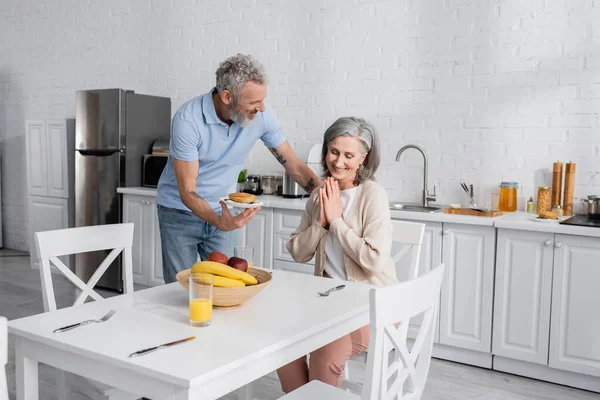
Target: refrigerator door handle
<point>99,153</point>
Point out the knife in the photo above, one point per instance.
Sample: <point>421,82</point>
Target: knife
<point>162,346</point>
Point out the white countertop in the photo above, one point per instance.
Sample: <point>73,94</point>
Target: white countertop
<point>517,220</point>
<point>525,222</point>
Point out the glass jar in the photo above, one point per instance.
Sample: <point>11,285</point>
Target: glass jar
<point>543,199</point>
<point>530,206</point>
<point>558,210</point>
<point>269,184</point>
<point>279,185</point>
<point>508,196</point>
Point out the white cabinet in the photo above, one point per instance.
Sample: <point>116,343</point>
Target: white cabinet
<point>257,234</point>
<point>575,324</point>
<point>523,295</point>
<point>431,257</point>
<point>49,154</point>
<point>146,249</point>
<point>36,150</point>
<point>284,223</point>
<point>47,158</point>
<point>45,214</point>
<point>467,291</point>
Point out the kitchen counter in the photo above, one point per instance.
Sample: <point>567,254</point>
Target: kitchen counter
<point>524,221</point>
<point>300,204</point>
<point>517,220</point>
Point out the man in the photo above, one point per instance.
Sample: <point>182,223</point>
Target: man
<point>211,136</point>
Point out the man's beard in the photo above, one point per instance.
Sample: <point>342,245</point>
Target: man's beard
<point>238,117</point>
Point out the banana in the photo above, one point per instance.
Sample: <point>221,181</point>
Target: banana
<point>215,268</point>
<point>221,281</point>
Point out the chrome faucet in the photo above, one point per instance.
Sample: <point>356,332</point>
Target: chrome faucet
<point>426,196</point>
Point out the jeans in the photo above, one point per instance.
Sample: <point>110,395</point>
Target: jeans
<point>184,236</point>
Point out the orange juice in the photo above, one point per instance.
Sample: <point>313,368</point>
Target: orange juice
<point>201,310</point>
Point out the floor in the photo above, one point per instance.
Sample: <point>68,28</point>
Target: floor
<point>20,296</point>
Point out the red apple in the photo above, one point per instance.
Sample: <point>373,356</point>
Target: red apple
<point>238,263</point>
<point>218,257</point>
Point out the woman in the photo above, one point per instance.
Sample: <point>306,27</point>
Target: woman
<point>347,225</point>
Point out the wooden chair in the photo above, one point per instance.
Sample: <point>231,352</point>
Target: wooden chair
<point>3,357</point>
<point>410,236</point>
<point>63,242</point>
<point>404,377</point>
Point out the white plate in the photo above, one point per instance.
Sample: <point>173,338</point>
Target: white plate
<point>546,220</point>
<point>241,205</point>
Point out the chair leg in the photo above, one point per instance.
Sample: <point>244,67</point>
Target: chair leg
<point>246,392</point>
<point>347,384</point>
<point>62,391</point>
<point>347,371</point>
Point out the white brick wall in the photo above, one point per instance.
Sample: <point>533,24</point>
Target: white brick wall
<point>492,89</point>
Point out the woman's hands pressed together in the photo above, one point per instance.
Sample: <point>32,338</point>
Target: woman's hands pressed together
<point>331,202</point>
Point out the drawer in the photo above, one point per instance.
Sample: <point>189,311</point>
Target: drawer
<point>294,267</point>
<point>286,221</point>
<point>280,252</point>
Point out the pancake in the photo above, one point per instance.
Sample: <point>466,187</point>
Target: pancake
<point>240,197</point>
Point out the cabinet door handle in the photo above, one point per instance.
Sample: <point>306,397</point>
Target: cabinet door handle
<point>445,232</point>
<point>558,244</point>
<point>548,242</point>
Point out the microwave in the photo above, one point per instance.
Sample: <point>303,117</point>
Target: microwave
<point>152,168</point>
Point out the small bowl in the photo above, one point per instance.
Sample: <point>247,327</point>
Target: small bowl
<point>231,297</point>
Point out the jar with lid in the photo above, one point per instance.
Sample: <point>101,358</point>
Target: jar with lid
<point>558,210</point>
<point>543,199</point>
<point>508,196</point>
<point>269,184</point>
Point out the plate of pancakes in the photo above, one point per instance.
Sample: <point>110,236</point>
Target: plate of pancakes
<point>242,200</point>
<point>548,217</point>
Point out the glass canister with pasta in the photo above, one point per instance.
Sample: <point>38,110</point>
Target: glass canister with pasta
<point>543,199</point>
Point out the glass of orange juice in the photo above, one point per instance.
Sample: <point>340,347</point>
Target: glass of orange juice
<point>201,291</point>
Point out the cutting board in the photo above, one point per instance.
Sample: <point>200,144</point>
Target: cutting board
<point>467,211</point>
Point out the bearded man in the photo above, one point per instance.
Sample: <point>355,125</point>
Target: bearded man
<point>211,137</point>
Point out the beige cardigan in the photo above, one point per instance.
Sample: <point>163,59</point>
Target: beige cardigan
<point>365,236</point>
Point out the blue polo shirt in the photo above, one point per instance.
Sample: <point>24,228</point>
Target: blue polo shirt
<point>197,133</point>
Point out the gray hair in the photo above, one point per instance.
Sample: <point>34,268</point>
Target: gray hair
<point>235,71</point>
<point>363,131</point>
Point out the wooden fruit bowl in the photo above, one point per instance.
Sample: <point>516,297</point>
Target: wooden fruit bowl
<point>231,297</point>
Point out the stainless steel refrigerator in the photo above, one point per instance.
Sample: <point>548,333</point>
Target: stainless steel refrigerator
<point>114,128</point>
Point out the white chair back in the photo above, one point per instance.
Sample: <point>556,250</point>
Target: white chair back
<point>56,243</point>
<point>3,357</point>
<point>404,377</point>
<point>410,235</point>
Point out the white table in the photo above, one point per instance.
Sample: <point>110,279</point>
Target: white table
<point>283,322</point>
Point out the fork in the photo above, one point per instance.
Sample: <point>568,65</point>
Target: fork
<point>89,321</point>
<point>325,294</point>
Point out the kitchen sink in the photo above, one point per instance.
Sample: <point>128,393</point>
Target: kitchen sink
<point>414,207</point>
